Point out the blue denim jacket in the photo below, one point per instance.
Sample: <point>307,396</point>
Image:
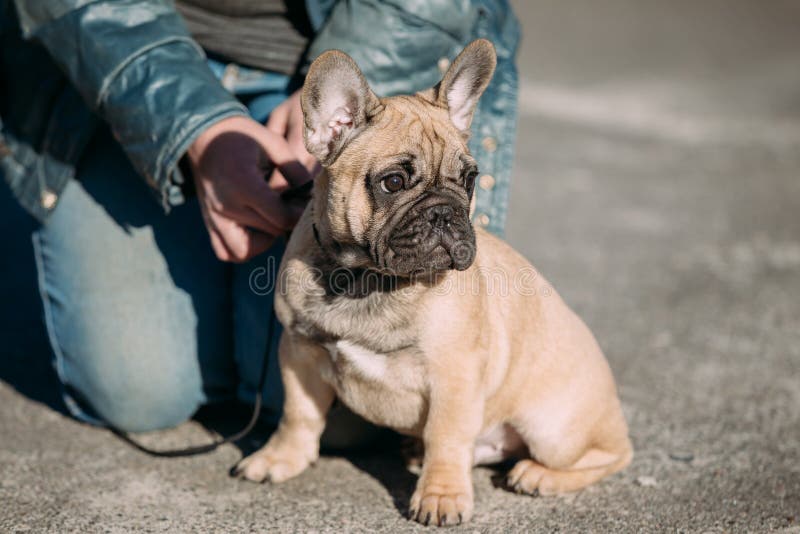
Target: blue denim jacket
<point>67,64</point>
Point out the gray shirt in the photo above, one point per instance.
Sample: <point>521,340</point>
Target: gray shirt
<point>265,34</point>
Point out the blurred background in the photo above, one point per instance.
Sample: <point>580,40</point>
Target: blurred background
<point>657,186</point>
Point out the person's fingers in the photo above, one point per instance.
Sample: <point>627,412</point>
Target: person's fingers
<point>217,243</point>
<point>286,120</point>
<point>278,182</point>
<point>267,204</point>
<point>298,145</point>
<point>294,135</point>
<point>254,220</point>
<point>275,147</point>
<point>250,218</point>
<point>232,236</point>
<point>295,173</point>
<point>259,243</point>
<point>242,243</point>
<point>218,246</point>
<point>279,119</point>
<point>278,151</point>
<point>256,204</point>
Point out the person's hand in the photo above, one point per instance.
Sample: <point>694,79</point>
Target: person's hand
<point>286,120</point>
<point>242,212</point>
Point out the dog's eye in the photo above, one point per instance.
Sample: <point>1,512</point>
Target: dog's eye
<point>469,181</point>
<point>392,183</point>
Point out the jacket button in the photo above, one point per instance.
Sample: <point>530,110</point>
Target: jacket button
<point>489,144</point>
<point>482,220</point>
<point>486,182</point>
<point>230,76</point>
<point>443,63</point>
<point>48,199</point>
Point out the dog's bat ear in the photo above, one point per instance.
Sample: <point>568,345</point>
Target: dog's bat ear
<point>336,102</point>
<point>466,80</point>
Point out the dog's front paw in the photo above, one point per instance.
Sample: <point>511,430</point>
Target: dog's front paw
<point>267,465</point>
<point>442,500</point>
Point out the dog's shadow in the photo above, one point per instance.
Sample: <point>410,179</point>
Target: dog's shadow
<point>380,453</point>
<point>386,465</point>
<point>375,451</point>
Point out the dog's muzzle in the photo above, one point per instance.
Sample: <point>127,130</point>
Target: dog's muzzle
<point>434,235</point>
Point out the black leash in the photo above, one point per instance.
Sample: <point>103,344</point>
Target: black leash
<point>300,194</point>
<point>208,447</point>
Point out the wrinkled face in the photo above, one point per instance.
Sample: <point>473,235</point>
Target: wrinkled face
<point>407,181</point>
<point>399,177</point>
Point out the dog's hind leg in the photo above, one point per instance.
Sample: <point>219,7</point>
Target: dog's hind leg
<point>531,477</point>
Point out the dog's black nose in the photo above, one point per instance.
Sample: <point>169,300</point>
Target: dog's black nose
<point>440,215</point>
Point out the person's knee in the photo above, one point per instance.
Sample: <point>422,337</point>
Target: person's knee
<point>136,389</point>
<point>143,404</point>
<point>133,310</point>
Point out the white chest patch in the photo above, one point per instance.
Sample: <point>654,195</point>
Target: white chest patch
<point>369,364</point>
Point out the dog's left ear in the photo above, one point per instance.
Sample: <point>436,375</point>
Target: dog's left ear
<point>466,80</point>
<point>336,102</point>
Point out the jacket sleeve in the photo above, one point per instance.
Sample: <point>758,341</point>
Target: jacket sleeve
<point>136,66</point>
<point>397,44</point>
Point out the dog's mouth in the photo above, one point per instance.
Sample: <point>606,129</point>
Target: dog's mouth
<point>434,235</point>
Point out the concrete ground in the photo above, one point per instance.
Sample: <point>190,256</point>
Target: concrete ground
<point>657,186</point>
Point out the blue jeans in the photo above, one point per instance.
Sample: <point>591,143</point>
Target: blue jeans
<point>145,323</point>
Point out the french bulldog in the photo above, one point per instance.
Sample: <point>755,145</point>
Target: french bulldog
<point>392,302</point>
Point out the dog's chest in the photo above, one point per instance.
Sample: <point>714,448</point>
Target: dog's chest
<point>387,389</point>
